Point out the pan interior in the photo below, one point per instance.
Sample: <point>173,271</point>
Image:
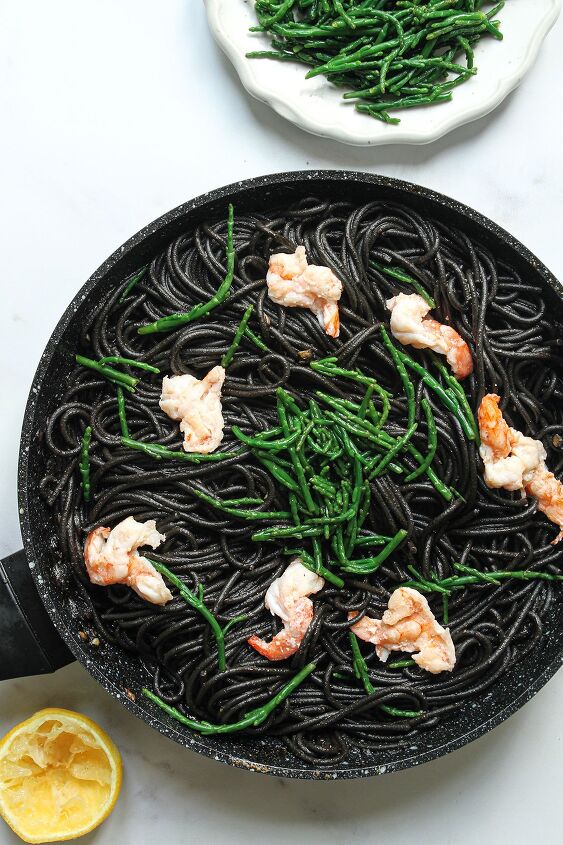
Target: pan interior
<point>118,670</point>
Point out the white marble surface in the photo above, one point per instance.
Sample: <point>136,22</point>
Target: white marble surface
<point>110,114</point>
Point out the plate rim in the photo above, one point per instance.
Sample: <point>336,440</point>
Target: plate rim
<point>290,110</point>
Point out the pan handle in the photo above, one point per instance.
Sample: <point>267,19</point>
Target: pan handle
<point>29,642</point>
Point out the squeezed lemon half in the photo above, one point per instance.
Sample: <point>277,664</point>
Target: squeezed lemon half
<point>60,776</point>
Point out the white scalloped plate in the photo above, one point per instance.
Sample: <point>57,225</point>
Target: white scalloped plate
<point>317,107</point>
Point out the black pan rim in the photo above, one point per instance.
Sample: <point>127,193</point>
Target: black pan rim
<point>195,742</point>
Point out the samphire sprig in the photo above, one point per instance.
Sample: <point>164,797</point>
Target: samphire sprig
<point>251,719</point>
<point>471,576</point>
<point>132,283</point>
<point>84,465</point>
<point>174,321</point>
<point>117,377</point>
<point>196,601</point>
<point>160,452</point>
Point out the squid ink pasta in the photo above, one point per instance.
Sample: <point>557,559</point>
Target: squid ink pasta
<point>410,474</point>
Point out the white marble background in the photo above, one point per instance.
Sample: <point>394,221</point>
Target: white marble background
<point>110,114</point>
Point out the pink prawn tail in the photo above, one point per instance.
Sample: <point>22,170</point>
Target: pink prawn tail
<point>332,324</point>
<point>459,354</point>
<point>278,649</point>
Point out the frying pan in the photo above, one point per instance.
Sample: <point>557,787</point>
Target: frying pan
<point>41,612</point>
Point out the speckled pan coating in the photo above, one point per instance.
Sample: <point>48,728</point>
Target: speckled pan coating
<point>120,673</point>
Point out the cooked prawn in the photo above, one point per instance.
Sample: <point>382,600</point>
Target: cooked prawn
<point>411,327</point>
<point>509,458</point>
<point>493,428</point>
<point>111,557</point>
<point>296,284</point>
<point>409,625</point>
<point>287,597</point>
<point>197,405</point>
<point>516,462</point>
<point>548,490</point>
<point>288,265</point>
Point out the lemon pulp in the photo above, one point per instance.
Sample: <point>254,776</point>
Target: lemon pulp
<point>60,775</point>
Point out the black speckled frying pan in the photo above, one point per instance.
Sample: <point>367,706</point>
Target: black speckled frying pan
<point>39,613</point>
